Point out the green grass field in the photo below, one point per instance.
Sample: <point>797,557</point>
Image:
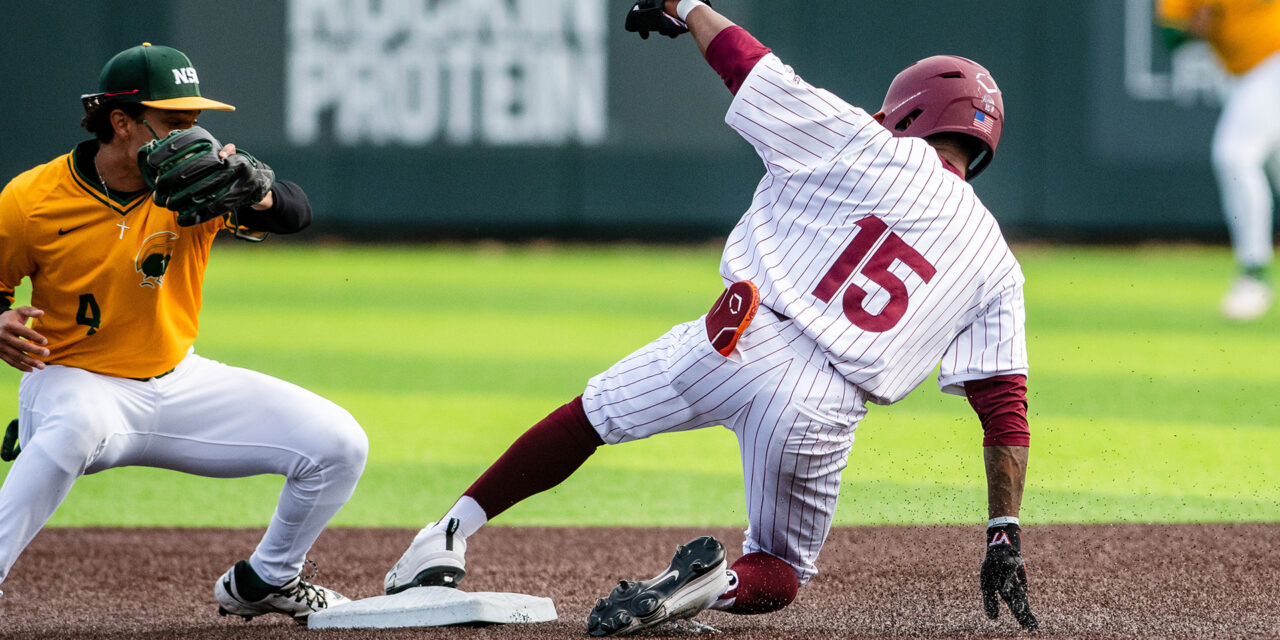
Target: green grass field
<point>1145,406</point>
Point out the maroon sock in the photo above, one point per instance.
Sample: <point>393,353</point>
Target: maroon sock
<point>547,454</point>
<point>765,584</point>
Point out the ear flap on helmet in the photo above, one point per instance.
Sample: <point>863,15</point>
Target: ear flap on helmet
<point>947,94</point>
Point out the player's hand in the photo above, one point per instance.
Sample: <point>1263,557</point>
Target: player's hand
<point>18,342</point>
<point>651,15</point>
<point>1004,573</point>
<point>265,203</point>
<point>201,179</point>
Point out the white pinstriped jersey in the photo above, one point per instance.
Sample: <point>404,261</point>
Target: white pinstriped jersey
<point>882,255</point>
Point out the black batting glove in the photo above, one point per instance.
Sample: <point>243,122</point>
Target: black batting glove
<point>1005,573</point>
<point>648,15</point>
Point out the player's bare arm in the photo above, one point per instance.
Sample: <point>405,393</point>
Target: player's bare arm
<point>265,203</point>
<point>704,23</point>
<point>1006,474</point>
<point>18,342</point>
<point>1001,404</point>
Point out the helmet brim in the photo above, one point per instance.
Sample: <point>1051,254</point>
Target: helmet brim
<point>188,103</point>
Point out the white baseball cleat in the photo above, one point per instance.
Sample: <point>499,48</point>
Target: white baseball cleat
<point>436,558</point>
<point>1248,299</point>
<point>691,584</point>
<point>241,592</point>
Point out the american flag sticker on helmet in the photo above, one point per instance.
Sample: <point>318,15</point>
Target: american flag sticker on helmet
<point>983,121</point>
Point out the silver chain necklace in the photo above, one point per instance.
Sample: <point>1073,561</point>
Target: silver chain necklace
<point>103,181</point>
<point>110,204</point>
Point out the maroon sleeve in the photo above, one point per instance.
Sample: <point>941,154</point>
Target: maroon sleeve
<point>733,53</point>
<point>1001,404</point>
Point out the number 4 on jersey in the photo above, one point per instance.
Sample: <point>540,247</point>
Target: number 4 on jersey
<point>876,269</point>
<point>89,314</point>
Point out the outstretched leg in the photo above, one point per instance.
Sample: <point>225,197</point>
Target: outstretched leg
<point>546,455</point>
<point>543,457</point>
<point>67,417</point>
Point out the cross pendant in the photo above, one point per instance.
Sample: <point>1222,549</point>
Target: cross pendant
<point>122,228</point>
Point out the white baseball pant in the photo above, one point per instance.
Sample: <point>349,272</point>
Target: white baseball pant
<point>793,413</point>
<point>1246,140</point>
<point>205,418</point>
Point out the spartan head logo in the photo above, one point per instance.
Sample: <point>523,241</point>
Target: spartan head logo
<point>153,258</point>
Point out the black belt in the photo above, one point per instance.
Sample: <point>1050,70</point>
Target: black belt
<point>154,377</point>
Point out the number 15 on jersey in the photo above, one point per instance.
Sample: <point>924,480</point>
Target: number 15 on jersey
<point>876,269</point>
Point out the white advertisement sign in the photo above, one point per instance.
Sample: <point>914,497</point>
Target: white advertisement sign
<point>456,72</point>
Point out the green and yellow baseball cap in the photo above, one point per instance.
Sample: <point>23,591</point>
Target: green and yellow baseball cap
<point>156,76</point>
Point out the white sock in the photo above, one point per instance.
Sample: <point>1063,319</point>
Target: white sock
<point>469,514</point>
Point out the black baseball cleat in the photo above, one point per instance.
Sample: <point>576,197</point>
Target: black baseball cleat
<point>694,580</point>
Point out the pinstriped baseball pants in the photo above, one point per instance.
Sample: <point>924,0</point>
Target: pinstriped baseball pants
<point>793,413</point>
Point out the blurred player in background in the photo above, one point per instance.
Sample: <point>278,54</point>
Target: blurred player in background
<point>1246,36</point>
<point>110,376</point>
<point>864,261</point>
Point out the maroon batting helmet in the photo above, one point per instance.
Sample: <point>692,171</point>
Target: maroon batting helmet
<point>947,94</point>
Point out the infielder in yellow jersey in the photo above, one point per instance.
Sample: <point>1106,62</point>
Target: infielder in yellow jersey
<point>110,374</point>
<point>1246,143</point>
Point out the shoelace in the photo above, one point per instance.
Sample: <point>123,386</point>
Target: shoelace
<point>315,569</point>
<point>303,592</point>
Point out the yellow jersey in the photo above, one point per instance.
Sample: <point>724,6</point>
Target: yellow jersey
<point>1242,32</point>
<point>118,279</point>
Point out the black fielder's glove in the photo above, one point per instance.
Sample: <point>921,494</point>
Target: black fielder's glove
<point>189,178</point>
<point>647,15</point>
<point>10,447</point>
<point>1004,573</point>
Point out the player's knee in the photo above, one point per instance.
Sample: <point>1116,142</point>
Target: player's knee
<point>73,438</point>
<point>1234,153</point>
<point>346,447</point>
<point>765,584</point>
<point>353,444</point>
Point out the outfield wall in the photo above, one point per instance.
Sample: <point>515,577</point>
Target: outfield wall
<point>542,117</point>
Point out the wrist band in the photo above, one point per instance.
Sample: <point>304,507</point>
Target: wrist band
<point>685,6</point>
<point>995,522</point>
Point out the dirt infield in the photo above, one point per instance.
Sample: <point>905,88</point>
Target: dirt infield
<point>1123,581</point>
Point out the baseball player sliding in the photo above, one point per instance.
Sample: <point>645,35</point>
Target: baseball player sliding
<point>1246,36</point>
<point>864,260</point>
<point>110,375</point>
